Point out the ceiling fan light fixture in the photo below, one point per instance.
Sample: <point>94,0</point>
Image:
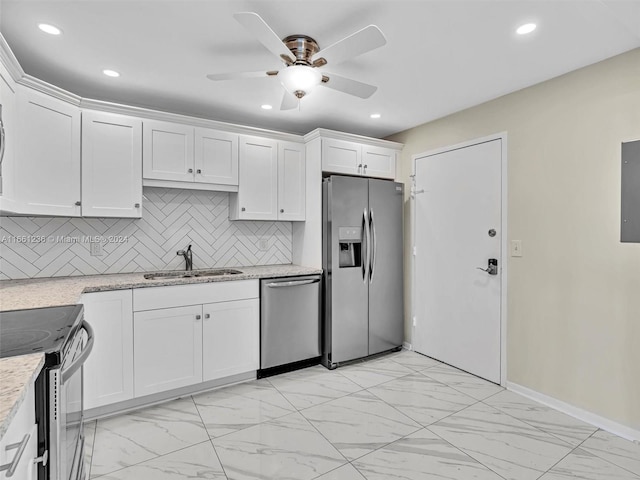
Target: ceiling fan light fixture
<point>300,79</point>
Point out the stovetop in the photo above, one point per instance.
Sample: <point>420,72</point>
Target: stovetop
<point>45,330</point>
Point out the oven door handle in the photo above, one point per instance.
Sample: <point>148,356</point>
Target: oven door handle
<point>77,363</point>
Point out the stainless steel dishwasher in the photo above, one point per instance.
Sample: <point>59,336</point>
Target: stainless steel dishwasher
<point>289,321</point>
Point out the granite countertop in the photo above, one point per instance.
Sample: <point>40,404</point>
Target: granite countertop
<point>16,373</point>
<point>50,292</point>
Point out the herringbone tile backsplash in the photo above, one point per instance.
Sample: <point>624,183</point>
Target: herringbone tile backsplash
<point>172,219</point>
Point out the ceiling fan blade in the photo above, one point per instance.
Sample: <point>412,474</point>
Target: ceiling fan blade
<point>289,101</point>
<point>259,29</point>
<point>235,76</point>
<point>362,41</point>
<point>350,86</point>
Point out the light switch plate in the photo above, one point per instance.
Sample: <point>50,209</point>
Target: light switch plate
<point>516,248</point>
<point>263,244</point>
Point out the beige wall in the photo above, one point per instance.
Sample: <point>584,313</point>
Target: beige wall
<point>574,297</point>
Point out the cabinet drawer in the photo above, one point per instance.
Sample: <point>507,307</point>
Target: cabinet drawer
<point>193,294</point>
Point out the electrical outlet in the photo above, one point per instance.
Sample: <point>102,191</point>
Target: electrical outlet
<point>263,244</point>
<point>516,248</point>
<point>95,249</point>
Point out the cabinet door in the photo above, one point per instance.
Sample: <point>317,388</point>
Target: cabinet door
<point>167,151</point>
<point>9,118</point>
<point>216,157</point>
<point>47,163</point>
<point>339,156</point>
<point>291,181</point>
<point>111,165</point>
<point>108,372</point>
<point>167,351</point>
<point>23,428</point>
<point>231,338</point>
<point>258,182</point>
<point>378,162</point>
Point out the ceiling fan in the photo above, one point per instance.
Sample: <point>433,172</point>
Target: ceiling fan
<point>303,58</point>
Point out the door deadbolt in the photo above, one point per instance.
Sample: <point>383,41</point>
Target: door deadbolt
<point>492,232</point>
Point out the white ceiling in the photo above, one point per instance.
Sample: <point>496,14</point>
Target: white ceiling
<point>442,56</point>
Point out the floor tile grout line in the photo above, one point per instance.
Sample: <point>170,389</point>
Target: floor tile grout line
<point>535,426</point>
<point>462,451</point>
<point>458,390</point>
<point>210,439</point>
<point>150,459</point>
<point>157,456</point>
<point>586,449</point>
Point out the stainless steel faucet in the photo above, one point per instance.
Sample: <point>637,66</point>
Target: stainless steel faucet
<point>188,258</point>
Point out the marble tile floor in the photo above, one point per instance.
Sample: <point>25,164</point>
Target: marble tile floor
<point>401,416</point>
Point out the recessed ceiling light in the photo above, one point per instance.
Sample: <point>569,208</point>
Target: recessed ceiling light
<point>375,115</point>
<point>526,28</point>
<point>111,73</point>
<point>266,107</point>
<point>50,29</point>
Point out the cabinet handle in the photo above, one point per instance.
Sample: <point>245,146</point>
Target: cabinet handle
<point>243,209</point>
<point>365,169</point>
<point>137,205</point>
<point>11,467</point>
<point>78,203</point>
<point>282,210</point>
<point>198,317</point>
<point>198,171</point>
<point>190,170</point>
<point>206,315</point>
<point>359,168</point>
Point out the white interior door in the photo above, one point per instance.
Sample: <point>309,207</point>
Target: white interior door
<point>457,306</point>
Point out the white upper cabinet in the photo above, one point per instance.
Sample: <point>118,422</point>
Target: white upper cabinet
<point>257,197</point>
<point>356,158</point>
<point>291,181</point>
<point>216,157</point>
<point>111,165</point>
<point>167,151</point>
<point>9,118</point>
<point>272,181</point>
<point>182,156</point>
<point>46,168</point>
<point>339,156</point>
<point>378,162</point>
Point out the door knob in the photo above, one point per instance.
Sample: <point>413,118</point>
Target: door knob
<point>492,267</point>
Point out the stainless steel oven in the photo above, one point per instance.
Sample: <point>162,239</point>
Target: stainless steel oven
<point>65,407</point>
<point>66,340</point>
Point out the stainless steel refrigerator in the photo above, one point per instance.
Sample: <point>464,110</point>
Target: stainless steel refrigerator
<point>363,267</point>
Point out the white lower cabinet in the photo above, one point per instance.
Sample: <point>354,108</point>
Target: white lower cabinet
<point>230,338</point>
<point>108,372</point>
<point>188,334</point>
<point>167,349</point>
<point>19,444</point>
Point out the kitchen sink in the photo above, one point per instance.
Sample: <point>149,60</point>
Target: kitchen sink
<point>218,272</point>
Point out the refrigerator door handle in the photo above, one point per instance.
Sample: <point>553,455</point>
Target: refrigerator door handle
<point>364,250</point>
<point>374,241</point>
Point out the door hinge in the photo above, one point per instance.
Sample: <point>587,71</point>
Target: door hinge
<point>415,321</point>
<point>415,250</point>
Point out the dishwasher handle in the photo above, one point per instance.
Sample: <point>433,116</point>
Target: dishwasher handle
<point>294,283</point>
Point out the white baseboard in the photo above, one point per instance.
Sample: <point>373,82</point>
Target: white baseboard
<point>407,346</point>
<point>576,412</point>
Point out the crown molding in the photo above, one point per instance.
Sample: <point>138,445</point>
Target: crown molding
<point>90,104</point>
<point>350,137</point>
<point>9,60</point>
<point>51,90</point>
